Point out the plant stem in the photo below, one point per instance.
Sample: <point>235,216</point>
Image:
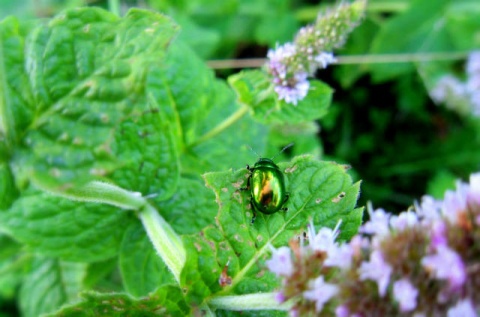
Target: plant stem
<point>167,243</point>
<point>222,126</point>
<point>262,301</point>
<point>351,59</point>
<point>114,7</point>
<point>164,239</point>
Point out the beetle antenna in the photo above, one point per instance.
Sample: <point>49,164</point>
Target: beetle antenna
<point>281,151</point>
<point>251,149</point>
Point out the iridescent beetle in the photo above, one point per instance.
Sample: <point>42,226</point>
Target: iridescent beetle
<point>266,184</point>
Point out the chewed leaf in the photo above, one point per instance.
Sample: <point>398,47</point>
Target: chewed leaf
<point>64,228</point>
<point>255,89</point>
<point>319,191</point>
<point>165,301</point>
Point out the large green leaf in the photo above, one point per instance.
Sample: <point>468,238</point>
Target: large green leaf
<point>166,301</point>
<point>463,24</point>
<point>254,88</point>
<point>87,69</point>
<point>419,29</point>
<point>142,269</point>
<point>319,191</point>
<point>8,190</point>
<point>60,227</point>
<point>16,100</point>
<point>12,264</point>
<point>49,284</point>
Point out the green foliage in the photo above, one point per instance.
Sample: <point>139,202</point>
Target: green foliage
<point>166,301</point>
<point>319,191</point>
<point>107,118</point>
<point>254,88</point>
<point>108,122</point>
<point>49,284</point>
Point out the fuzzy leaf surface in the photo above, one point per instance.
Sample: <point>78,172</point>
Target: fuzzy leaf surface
<point>64,228</point>
<point>319,191</point>
<point>49,284</point>
<point>255,89</point>
<point>86,70</point>
<point>142,269</point>
<point>166,301</point>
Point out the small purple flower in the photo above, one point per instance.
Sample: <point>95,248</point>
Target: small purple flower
<point>429,209</point>
<point>342,311</point>
<point>446,265</point>
<point>455,202</point>
<point>378,223</point>
<point>324,240</point>
<point>377,270</point>
<point>438,235</point>
<point>321,293</point>
<point>281,262</point>
<point>405,294</point>
<point>405,220</point>
<point>277,58</point>
<point>293,90</point>
<point>324,59</point>
<point>339,256</point>
<point>473,63</point>
<point>473,195</point>
<point>280,297</point>
<point>463,308</point>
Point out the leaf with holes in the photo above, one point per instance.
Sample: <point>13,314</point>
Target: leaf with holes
<point>234,248</point>
<point>165,301</point>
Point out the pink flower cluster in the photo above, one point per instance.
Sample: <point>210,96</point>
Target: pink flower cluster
<point>423,263</point>
<point>292,63</point>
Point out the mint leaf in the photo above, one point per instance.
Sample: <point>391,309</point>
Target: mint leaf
<point>142,269</point>
<point>320,191</point>
<point>16,99</point>
<point>255,89</point>
<point>8,190</point>
<point>191,208</point>
<point>183,89</point>
<point>166,301</point>
<point>60,227</point>
<point>462,24</point>
<point>419,29</point>
<point>237,136</point>
<point>87,70</point>
<point>12,265</point>
<point>145,145</point>
<point>49,284</point>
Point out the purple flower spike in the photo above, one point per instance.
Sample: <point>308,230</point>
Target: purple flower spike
<point>446,265</point>
<point>378,224</point>
<point>405,294</point>
<point>377,270</point>
<point>281,262</point>
<point>464,308</point>
<point>321,293</point>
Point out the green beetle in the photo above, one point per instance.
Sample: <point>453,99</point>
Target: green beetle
<point>266,184</point>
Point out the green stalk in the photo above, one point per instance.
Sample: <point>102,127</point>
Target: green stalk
<point>114,7</point>
<point>222,126</point>
<point>164,239</point>
<point>262,301</point>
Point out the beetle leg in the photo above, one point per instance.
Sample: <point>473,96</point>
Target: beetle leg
<point>287,195</point>
<point>254,216</point>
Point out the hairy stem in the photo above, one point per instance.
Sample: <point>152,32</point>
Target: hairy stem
<point>261,301</point>
<point>222,126</point>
